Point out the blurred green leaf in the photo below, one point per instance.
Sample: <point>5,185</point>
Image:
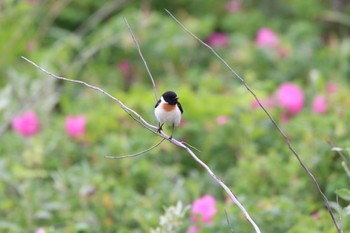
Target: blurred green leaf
<point>344,194</point>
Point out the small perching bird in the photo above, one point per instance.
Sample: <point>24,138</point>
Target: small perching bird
<point>168,111</point>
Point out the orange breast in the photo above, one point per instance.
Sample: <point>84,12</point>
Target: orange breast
<point>168,107</point>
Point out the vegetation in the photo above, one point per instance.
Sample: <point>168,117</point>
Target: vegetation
<point>54,135</point>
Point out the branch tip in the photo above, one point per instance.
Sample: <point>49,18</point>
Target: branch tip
<point>137,154</point>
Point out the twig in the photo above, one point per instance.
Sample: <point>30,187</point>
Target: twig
<point>340,212</point>
<point>345,163</point>
<point>220,182</point>
<point>341,154</point>
<point>98,16</point>
<point>153,129</point>
<point>137,154</point>
<point>271,119</point>
<point>143,59</point>
<point>338,150</point>
<point>228,221</point>
<point>131,112</point>
<point>193,147</point>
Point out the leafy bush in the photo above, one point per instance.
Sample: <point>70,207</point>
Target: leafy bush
<point>58,180</point>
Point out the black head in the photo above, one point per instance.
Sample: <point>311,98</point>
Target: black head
<point>170,97</point>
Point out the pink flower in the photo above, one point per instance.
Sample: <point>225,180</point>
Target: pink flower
<point>234,6</point>
<point>27,124</point>
<point>75,126</point>
<point>124,67</point>
<point>319,105</point>
<point>316,215</point>
<point>204,207</point>
<point>266,38</point>
<point>291,98</point>
<point>40,230</point>
<point>332,87</point>
<point>218,39</point>
<point>193,229</point>
<point>221,120</point>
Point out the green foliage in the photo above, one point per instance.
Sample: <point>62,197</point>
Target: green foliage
<point>67,185</point>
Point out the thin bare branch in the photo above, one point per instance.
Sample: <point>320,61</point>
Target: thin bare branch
<point>143,59</point>
<point>105,11</point>
<point>193,147</point>
<point>345,163</point>
<point>291,148</point>
<point>220,182</point>
<point>131,112</point>
<point>152,128</point>
<point>137,154</point>
<point>339,212</point>
<point>339,151</point>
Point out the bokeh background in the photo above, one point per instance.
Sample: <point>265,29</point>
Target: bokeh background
<point>54,135</point>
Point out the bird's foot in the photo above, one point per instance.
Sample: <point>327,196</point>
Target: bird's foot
<point>160,128</point>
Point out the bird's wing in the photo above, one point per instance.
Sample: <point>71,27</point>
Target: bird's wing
<point>158,102</point>
<point>180,107</point>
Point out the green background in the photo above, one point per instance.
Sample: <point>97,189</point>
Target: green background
<point>66,185</point>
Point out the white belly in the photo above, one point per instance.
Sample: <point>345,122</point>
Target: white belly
<point>169,118</point>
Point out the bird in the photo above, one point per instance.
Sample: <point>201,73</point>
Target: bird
<point>168,110</point>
